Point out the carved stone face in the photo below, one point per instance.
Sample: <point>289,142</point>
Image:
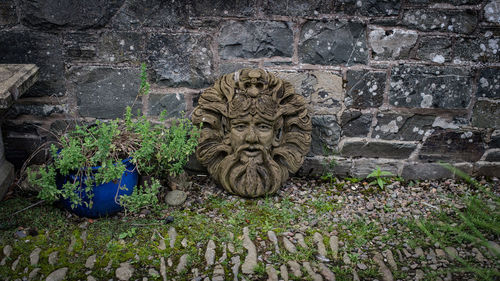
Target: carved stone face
<point>255,132</point>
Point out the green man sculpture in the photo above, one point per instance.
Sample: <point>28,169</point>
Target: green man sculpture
<point>256,131</point>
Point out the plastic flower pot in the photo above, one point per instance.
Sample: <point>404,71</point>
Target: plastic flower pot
<point>106,196</point>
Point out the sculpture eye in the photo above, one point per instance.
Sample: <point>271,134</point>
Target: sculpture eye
<point>259,86</point>
<point>264,127</point>
<point>240,127</point>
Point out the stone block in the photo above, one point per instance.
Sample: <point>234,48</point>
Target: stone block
<point>319,165</point>
<point>453,146</point>
<point>364,166</point>
<point>298,8</point>
<point>136,14</point>
<point>42,49</point>
<point>488,169</point>
<point>447,21</point>
<point>368,8</point>
<point>365,89</point>
<point>8,16</point>
<point>104,92</point>
<point>492,11</point>
<point>494,139</point>
<point>430,87</point>
<point>333,43</point>
<point>370,148</point>
<point>479,49</point>
<point>7,176</point>
<point>489,83</point>
<point>173,104</point>
<point>391,44</point>
<point>255,39</point>
<point>181,60</point>
<point>451,2</point>
<point>425,171</point>
<point>226,67</point>
<point>21,140</point>
<point>355,123</point>
<point>223,8</point>
<point>121,47</point>
<point>67,14</point>
<point>486,114</point>
<point>492,155</point>
<point>325,134</point>
<point>437,49</point>
<point>33,109</point>
<point>80,45</point>
<point>394,126</point>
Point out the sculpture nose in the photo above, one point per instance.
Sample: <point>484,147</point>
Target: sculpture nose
<point>251,137</point>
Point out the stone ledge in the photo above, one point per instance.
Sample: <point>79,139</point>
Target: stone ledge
<point>15,80</point>
<point>371,148</point>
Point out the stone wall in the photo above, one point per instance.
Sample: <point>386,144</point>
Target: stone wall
<point>399,84</point>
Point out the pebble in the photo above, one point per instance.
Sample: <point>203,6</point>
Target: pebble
<point>184,242</point>
<point>182,264</point>
<point>326,272</point>
<point>218,274</point>
<point>494,248</point>
<point>272,275</point>
<point>251,259</point>
<point>318,239</point>
<point>390,259</point>
<point>334,246</point>
<point>272,237</point>
<point>451,252</point>
<point>295,268</point>
<point>176,197</point>
<point>125,271</point>
<point>172,235</point>
<point>14,264</point>
<point>34,273</point>
<point>90,262</point>
<point>419,275</point>
<point>71,244</point>
<point>300,240</point>
<point>53,257</point>
<point>355,276</point>
<point>163,269</point>
<point>310,271</point>
<point>153,273</point>
<point>346,259</point>
<point>236,265</point>
<point>35,256</point>
<point>91,278</point>
<point>284,272</point>
<point>479,256</point>
<point>440,253</point>
<point>289,245</point>
<point>369,206</point>
<point>384,270</point>
<point>162,246</point>
<point>361,266</point>
<point>58,275</point>
<point>210,253</point>
<point>224,253</point>
<point>7,250</point>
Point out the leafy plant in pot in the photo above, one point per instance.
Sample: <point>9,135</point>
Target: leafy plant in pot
<point>95,168</point>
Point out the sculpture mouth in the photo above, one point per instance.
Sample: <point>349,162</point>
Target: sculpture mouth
<point>252,152</point>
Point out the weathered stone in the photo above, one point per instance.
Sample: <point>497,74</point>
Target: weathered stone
<point>334,246</point>
<point>35,256</point>
<point>333,43</point>
<point>163,269</point>
<point>53,257</point>
<point>383,269</point>
<point>226,67</point>
<point>376,149</point>
<point>67,14</point>
<point>224,253</point>
<point>437,49</point>
<point>365,89</point>
<point>34,273</point>
<point>42,49</point>
<point>80,45</point>
<point>391,44</point>
<point>310,272</point>
<point>486,114</point>
<point>223,8</point>
<point>7,250</point>
<point>161,245</point>
<point>39,110</point>
<point>210,253</point>
<point>116,47</point>
<point>494,139</point>
<point>178,60</point>
<point>355,123</point>
<point>492,11</point>
<point>125,271</point>
<point>172,235</point>
<point>135,15</point>
<point>390,259</point>
<point>289,246</point>
<point>487,169</point>
<point>318,239</point>
<point>489,83</point>
<point>295,269</point>
<point>298,8</point>
<point>478,49</point>
<point>425,171</point>
<point>392,126</point>
<point>364,166</point>
<point>326,272</point>
<point>445,145</point>
<point>235,260</point>
<point>272,274</point>
<point>300,240</point>
<point>255,40</point>
<point>251,259</point>
<point>429,20</point>
<point>325,134</point>
<point>181,266</point>
<point>248,116</point>
<point>173,104</point>
<point>346,259</point>
<point>319,165</point>
<point>368,8</point>
<point>451,252</point>
<point>284,272</point>
<point>57,275</point>
<point>449,2</point>
<point>90,262</point>
<point>8,16</point>
<point>175,197</point>
<point>492,155</point>
<point>430,87</point>
<point>272,237</point>
<point>104,92</point>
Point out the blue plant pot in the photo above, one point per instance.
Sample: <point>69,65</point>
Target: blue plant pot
<point>106,195</point>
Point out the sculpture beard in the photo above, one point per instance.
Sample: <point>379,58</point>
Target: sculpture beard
<point>253,175</point>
